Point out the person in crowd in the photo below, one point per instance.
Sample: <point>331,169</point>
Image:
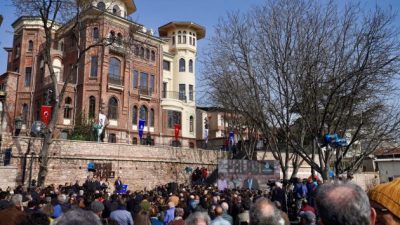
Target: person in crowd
<point>243,218</point>
<point>118,184</point>
<point>307,218</point>
<point>12,212</point>
<point>250,182</point>
<point>219,220</point>
<point>121,215</point>
<point>78,216</point>
<point>97,208</point>
<point>153,216</point>
<point>225,214</point>
<point>170,213</point>
<point>301,192</point>
<point>178,220</point>
<point>385,199</point>
<point>222,183</point>
<point>264,212</point>
<point>305,207</point>
<point>278,194</point>
<point>36,218</point>
<point>344,204</point>
<point>198,218</point>
<point>142,218</point>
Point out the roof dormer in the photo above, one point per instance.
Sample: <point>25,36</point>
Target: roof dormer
<point>121,8</point>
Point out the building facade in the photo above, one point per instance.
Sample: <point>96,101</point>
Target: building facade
<point>121,76</point>
<point>178,86</point>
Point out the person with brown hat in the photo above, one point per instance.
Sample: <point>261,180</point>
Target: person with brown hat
<point>385,199</point>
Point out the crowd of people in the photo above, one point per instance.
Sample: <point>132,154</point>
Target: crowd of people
<point>330,203</point>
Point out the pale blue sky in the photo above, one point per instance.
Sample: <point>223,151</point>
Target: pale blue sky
<point>155,13</point>
<point>150,13</point>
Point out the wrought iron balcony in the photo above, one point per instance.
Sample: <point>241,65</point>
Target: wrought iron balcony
<point>174,95</point>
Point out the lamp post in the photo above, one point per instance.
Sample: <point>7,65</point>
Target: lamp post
<point>30,171</point>
<point>18,125</point>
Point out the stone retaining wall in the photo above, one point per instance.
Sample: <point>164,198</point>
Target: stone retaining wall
<point>138,166</point>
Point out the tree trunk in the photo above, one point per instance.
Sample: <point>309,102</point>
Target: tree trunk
<point>285,173</point>
<point>43,161</point>
<point>325,173</point>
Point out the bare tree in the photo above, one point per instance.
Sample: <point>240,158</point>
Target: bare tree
<point>302,70</point>
<point>61,20</point>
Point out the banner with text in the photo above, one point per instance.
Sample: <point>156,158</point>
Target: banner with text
<point>248,174</point>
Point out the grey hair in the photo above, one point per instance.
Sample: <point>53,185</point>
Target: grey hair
<point>78,216</point>
<point>343,204</point>
<point>264,212</point>
<point>195,217</point>
<point>16,200</point>
<point>225,206</point>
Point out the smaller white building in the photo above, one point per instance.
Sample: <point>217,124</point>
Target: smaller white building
<point>388,163</point>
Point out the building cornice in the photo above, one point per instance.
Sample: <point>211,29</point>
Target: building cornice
<point>200,30</point>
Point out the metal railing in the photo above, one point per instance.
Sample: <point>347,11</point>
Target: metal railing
<point>174,95</point>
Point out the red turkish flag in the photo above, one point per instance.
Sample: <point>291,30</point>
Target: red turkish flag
<point>45,114</point>
<point>177,128</point>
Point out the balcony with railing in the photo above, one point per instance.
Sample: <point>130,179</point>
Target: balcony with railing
<point>115,83</point>
<point>174,95</point>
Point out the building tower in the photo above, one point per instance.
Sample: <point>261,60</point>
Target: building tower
<point>178,100</point>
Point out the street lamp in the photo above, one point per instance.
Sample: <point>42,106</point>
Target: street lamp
<point>18,125</point>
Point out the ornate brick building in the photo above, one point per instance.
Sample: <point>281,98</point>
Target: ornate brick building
<point>125,80</point>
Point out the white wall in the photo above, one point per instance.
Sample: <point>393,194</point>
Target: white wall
<point>388,168</point>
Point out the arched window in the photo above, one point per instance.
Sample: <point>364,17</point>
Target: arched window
<point>113,108</point>
<point>182,66</point>
<point>190,40</point>
<point>191,66</point>
<point>136,50</point>
<point>147,54</point>
<point>115,69</point>
<point>30,46</point>
<point>111,36</point>
<point>25,113</point>
<point>191,124</point>
<point>153,56</point>
<point>68,108</point>
<point>141,53</point>
<point>179,38</point>
<point>92,107</point>
<point>101,6</point>
<point>143,113</point>
<point>95,33</point>
<point>57,65</point>
<point>173,40</point>
<point>184,37</point>
<point>151,118</point>
<point>119,39</point>
<point>134,115</point>
<point>194,41</point>
<point>116,10</point>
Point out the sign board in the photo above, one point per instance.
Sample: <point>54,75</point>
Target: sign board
<point>248,174</point>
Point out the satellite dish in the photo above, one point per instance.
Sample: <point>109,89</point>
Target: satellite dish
<point>37,129</point>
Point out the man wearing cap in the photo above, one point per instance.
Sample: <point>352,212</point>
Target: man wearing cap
<point>385,199</point>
